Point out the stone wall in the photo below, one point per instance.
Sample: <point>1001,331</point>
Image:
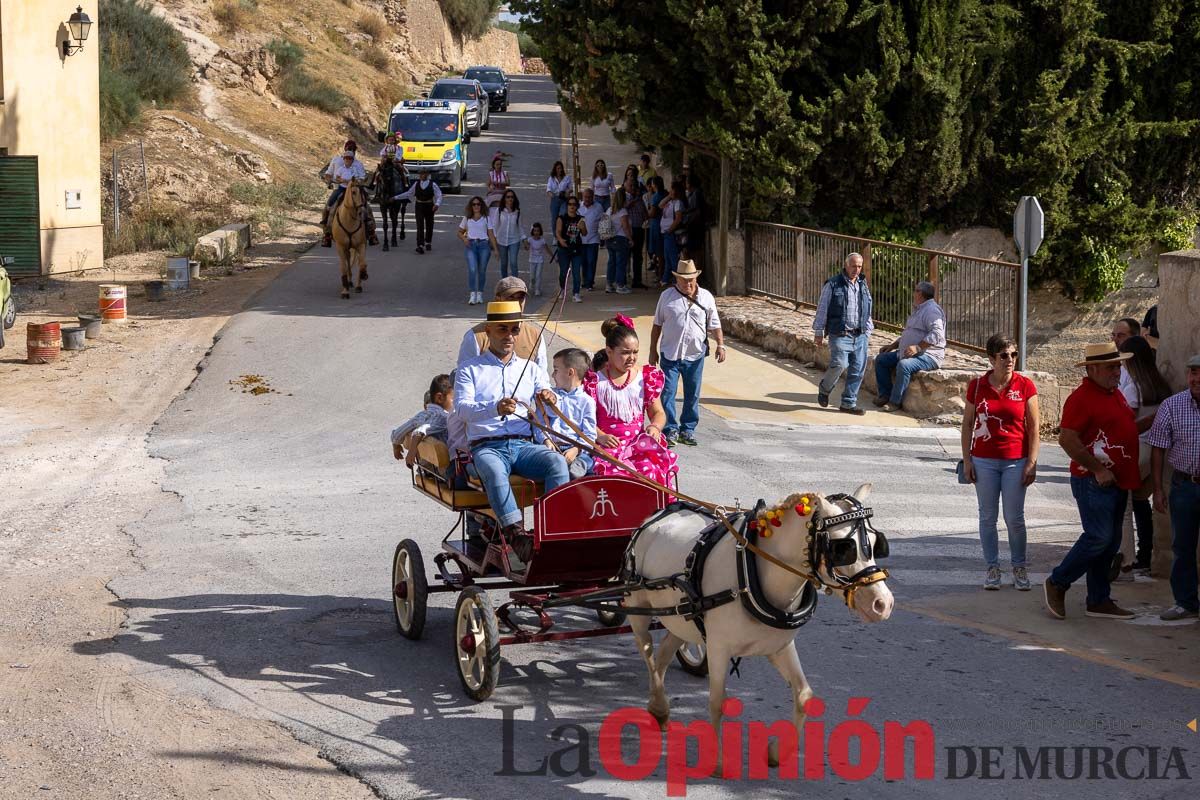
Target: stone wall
<point>939,393</point>
<point>434,46</point>
<point>1179,300</point>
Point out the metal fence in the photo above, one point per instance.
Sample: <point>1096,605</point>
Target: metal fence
<point>980,296</point>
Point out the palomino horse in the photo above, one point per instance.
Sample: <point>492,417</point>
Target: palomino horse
<point>832,543</point>
<point>350,237</point>
<point>391,179</point>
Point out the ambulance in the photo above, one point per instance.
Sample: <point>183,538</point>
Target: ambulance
<point>433,134</point>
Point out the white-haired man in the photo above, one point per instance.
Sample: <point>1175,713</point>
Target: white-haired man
<point>844,317</point>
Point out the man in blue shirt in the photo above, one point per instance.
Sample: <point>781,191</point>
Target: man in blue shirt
<point>922,346</point>
<point>493,395</point>
<point>844,315</point>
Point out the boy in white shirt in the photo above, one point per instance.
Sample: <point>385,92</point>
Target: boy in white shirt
<point>570,366</point>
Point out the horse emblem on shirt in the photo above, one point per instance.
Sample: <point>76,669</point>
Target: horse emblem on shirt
<point>983,421</point>
<point>1101,447</point>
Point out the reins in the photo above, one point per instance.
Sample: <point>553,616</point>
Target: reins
<point>587,443</point>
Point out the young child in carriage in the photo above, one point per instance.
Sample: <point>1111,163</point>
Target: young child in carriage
<point>432,421</point>
<point>570,367</point>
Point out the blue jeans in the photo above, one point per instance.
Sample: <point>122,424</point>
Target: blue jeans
<point>670,256</point>
<point>582,465</point>
<point>479,251</point>
<point>496,461</point>
<point>1185,531</point>
<point>1101,510</point>
<point>557,207</point>
<point>691,372</point>
<point>569,261</point>
<point>845,352</point>
<point>618,260</point>
<point>335,196</point>
<point>996,478</point>
<point>905,369</point>
<point>603,202</point>
<point>510,259</point>
<point>591,255</point>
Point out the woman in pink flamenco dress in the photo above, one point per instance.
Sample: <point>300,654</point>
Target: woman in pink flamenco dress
<point>629,413</point>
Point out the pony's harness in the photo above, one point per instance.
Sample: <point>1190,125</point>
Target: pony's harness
<point>689,582</point>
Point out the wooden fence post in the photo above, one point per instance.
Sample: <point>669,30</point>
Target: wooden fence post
<point>866,254</point>
<point>935,277</point>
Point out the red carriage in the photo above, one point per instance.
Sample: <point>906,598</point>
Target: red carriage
<point>580,531</point>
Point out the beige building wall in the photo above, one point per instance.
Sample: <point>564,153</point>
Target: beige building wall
<point>50,108</point>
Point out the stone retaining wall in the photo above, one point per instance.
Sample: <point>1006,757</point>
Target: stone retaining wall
<point>780,328</point>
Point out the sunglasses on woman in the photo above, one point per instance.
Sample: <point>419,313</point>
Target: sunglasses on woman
<point>1009,356</point>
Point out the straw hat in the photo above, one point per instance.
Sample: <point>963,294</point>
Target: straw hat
<point>504,311</point>
<point>1097,354</point>
<point>687,269</point>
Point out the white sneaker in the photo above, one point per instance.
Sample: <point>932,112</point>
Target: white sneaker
<point>577,298</point>
<point>478,298</point>
<point>471,299</point>
<point>624,290</point>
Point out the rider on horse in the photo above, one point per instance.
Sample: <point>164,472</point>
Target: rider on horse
<point>342,170</point>
<point>390,179</point>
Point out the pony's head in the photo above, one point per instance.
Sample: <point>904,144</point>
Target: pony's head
<point>834,539</point>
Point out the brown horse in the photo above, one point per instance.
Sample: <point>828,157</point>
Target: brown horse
<point>350,237</point>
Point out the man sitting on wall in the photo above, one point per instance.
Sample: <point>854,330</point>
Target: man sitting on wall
<point>922,346</point>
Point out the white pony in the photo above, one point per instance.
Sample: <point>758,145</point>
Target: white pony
<point>661,549</point>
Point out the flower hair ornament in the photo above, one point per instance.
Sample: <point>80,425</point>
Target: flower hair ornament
<point>624,320</point>
<point>773,517</point>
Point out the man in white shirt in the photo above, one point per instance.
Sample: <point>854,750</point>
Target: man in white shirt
<point>427,199</point>
<point>493,394</point>
<point>344,172</point>
<point>591,211</point>
<point>685,317</point>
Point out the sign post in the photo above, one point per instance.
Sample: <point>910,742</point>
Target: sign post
<point>1028,231</point>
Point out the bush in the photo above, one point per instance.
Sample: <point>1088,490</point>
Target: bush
<point>231,14</point>
<point>372,25</point>
<point>293,194</point>
<point>287,54</point>
<point>377,57</point>
<point>298,86</point>
<point>470,19</point>
<point>143,60</point>
<point>169,227</point>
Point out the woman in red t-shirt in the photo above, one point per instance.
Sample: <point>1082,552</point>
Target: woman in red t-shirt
<point>1000,452</point>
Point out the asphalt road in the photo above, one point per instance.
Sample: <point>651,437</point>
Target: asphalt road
<point>265,577</point>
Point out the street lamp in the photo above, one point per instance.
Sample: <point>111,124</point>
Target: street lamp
<point>80,25</point>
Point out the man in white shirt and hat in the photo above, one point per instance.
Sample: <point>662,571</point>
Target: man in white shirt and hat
<point>685,318</point>
<point>346,171</point>
<point>493,395</point>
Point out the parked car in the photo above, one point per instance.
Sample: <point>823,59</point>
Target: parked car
<point>8,306</point>
<point>494,82</point>
<point>469,92</point>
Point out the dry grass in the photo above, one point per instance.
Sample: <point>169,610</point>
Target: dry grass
<point>377,57</point>
<point>372,25</point>
<point>231,14</point>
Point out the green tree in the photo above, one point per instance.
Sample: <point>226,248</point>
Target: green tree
<point>927,111</point>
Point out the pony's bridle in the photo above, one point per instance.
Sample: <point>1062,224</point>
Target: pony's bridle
<point>829,553</point>
<point>818,528</point>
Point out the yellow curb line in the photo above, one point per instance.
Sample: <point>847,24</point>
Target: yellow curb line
<point>1026,638</point>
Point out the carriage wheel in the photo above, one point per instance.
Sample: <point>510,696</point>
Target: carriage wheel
<point>409,589</point>
<point>476,643</point>
<point>693,658</point>
<point>610,619</point>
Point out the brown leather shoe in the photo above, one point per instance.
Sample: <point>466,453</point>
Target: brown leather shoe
<point>1056,600</point>
<point>520,541</point>
<point>1109,610</point>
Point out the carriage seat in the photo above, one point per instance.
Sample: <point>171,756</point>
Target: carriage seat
<point>435,459</point>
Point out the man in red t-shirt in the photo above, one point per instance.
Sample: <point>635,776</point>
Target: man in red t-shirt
<point>1101,437</point>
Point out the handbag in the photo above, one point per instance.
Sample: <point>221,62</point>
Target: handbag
<point>605,229</point>
<point>961,470</point>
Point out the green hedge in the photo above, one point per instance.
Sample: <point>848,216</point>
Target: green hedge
<point>143,60</point>
<point>470,19</point>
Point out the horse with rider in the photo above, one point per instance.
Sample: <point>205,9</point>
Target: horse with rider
<point>389,180</point>
<point>346,171</point>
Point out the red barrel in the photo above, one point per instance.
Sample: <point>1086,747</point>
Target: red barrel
<point>44,342</point>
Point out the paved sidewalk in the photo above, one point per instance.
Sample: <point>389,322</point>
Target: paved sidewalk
<point>751,386</point>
